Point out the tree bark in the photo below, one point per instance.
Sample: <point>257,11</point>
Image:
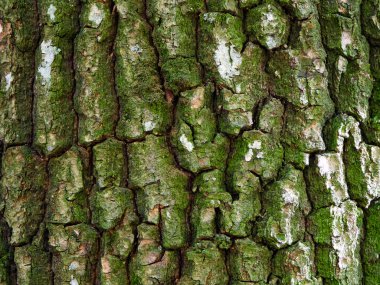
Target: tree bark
<point>190,142</point>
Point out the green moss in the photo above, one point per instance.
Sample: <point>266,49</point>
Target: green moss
<point>113,271</point>
<point>248,3</point>
<point>143,108</point>
<point>195,138</point>
<point>119,241</point>
<point>161,188</point>
<point>95,100</point>
<point>337,232</point>
<point>370,8</point>
<point>210,194</point>
<point>355,89</point>
<point>336,27</point>
<point>70,261</point>
<point>300,9</point>
<point>181,74</point>
<point>371,246</point>
<point>295,265</point>
<point>221,35</point>
<point>54,115</point>
<point>195,271</point>
<point>108,207</point>
<point>237,216</point>
<point>230,6</point>
<point>67,198</point>
<point>268,24</point>
<point>18,42</point>
<point>327,183</point>
<point>249,261</point>
<point>109,164</point>
<point>285,203</point>
<point>152,263</point>
<point>257,152</point>
<point>174,30</point>
<point>23,186</point>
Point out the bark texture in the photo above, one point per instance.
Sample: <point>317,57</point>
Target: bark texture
<point>190,142</point>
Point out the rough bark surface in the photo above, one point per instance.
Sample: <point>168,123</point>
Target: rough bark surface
<point>190,142</point>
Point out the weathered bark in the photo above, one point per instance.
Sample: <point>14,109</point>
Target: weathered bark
<point>190,142</point>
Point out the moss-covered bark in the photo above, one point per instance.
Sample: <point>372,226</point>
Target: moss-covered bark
<point>190,142</point>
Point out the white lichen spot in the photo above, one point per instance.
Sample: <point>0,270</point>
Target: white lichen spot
<point>186,143</point>
<point>101,182</point>
<point>346,40</point>
<point>319,65</point>
<point>136,49</point>
<point>260,155</point>
<point>73,281</point>
<point>331,167</point>
<point>227,59</point>
<point>238,88</point>
<point>306,158</point>
<point>51,12</point>
<point>8,81</point>
<point>96,15</point>
<point>349,127</point>
<point>375,21</point>
<point>271,42</point>
<point>290,196</point>
<point>346,236</point>
<point>50,148</point>
<point>248,156</point>
<point>209,17</point>
<point>251,146</point>
<point>149,125</point>
<point>369,157</point>
<point>303,98</point>
<point>198,98</point>
<point>362,112</point>
<point>255,145</point>
<point>74,265</point>
<point>269,16</point>
<point>305,271</point>
<point>48,53</point>
<point>291,201</point>
<point>342,64</point>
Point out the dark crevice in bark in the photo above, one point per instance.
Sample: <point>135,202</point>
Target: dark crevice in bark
<point>35,73</point>
<point>115,23</point>
<point>73,65</point>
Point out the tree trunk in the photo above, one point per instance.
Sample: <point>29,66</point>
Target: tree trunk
<point>190,142</point>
